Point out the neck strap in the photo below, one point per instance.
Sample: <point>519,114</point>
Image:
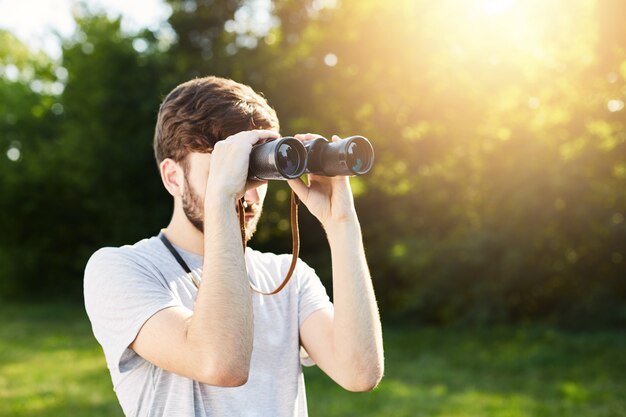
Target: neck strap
<point>191,274</point>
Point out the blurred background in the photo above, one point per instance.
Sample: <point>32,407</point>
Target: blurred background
<point>496,204</point>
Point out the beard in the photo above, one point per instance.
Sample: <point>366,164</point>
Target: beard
<point>193,207</point>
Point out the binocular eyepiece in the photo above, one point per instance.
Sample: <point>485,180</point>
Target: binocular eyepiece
<point>288,158</point>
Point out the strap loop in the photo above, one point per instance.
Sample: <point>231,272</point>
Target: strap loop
<point>295,238</point>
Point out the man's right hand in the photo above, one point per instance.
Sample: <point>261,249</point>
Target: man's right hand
<point>213,343</point>
<point>230,158</point>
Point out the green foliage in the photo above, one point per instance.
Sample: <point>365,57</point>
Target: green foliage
<point>85,153</point>
<point>499,190</point>
<point>27,125</point>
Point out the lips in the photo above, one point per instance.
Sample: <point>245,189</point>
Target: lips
<point>250,213</point>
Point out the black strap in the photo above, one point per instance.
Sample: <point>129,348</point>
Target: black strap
<point>174,252</point>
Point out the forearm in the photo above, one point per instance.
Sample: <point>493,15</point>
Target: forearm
<point>222,324</point>
<point>357,332</point>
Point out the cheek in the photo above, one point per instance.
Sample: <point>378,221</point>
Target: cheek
<point>200,187</point>
<point>198,174</point>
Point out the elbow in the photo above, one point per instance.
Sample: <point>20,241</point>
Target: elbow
<point>363,381</point>
<point>363,384</point>
<point>225,373</point>
<point>224,365</point>
<point>231,380</point>
<point>224,377</point>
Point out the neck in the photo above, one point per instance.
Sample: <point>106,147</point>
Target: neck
<point>180,232</point>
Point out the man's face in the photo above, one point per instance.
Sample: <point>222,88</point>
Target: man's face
<point>195,187</point>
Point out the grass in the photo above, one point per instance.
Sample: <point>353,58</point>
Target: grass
<point>504,372</point>
<point>50,365</point>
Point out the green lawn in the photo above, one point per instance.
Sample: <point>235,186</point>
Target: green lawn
<point>51,366</point>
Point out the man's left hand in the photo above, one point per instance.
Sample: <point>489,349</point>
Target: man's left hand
<point>329,199</point>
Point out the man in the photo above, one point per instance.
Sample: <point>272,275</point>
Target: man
<point>220,349</point>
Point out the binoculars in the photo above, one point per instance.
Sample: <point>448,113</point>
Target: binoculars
<point>288,158</point>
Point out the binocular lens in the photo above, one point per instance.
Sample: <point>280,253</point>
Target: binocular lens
<point>358,157</point>
<point>279,159</point>
<point>350,156</point>
<point>288,159</point>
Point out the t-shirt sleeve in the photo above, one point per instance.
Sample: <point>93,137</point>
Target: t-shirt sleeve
<point>312,295</point>
<point>120,296</point>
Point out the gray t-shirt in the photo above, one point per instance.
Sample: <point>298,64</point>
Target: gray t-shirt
<point>125,286</point>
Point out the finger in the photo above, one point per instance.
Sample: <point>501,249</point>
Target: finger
<point>335,138</point>
<point>253,136</point>
<point>299,187</point>
<point>262,134</point>
<point>307,136</point>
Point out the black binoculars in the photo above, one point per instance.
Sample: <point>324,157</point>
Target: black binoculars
<point>288,158</point>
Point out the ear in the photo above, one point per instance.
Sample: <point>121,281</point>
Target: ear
<point>173,176</point>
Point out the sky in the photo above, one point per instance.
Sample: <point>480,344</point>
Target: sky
<point>36,21</point>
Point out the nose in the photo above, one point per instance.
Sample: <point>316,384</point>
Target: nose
<point>252,196</point>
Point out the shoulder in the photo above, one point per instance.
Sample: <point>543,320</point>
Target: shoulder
<point>124,266</point>
<point>119,273</point>
<point>138,254</point>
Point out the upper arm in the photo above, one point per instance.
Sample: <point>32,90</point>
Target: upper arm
<point>120,296</point>
<point>316,315</point>
<point>162,340</point>
<point>340,351</point>
<point>316,336</point>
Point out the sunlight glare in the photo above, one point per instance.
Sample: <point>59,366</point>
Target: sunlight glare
<point>493,7</point>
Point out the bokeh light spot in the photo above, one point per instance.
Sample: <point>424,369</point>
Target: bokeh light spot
<point>140,45</point>
<point>615,105</point>
<point>330,60</point>
<point>281,195</point>
<point>87,48</point>
<point>57,109</point>
<point>398,250</point>
<point>11,72</point>
<point>14,154</point>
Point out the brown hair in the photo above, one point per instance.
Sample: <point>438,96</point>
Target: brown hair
<point>198,113</point>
